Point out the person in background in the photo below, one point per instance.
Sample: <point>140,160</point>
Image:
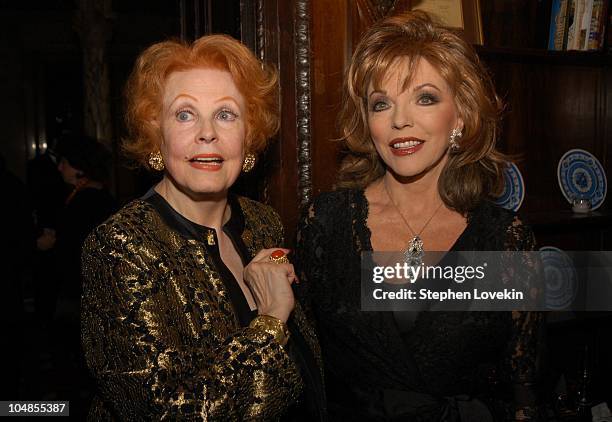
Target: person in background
<point>47,192</point>
<point>420,122</point>
<point>188,310</point>
<point>84,164</point>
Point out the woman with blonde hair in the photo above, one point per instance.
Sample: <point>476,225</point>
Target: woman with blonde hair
<point>188,310</point>
<point>420,121</point>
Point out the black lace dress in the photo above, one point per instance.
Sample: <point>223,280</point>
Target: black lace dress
<point>442,366</point>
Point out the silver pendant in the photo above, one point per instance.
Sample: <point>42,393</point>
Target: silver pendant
<point>414,253</point>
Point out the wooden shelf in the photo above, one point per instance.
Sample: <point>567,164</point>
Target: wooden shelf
<point>546,220</point>
<point>539,56</point>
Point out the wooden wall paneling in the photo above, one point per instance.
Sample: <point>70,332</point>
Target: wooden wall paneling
<point>565,110</point>
<point>93,22</point>
<point>553,105</point>
<point>250,23</point>
<point>363,13</point>
<point>550,109</point>
<point>512,84</point>
<point>195,18</point>
<point>607,133</point>
<point>605,149</point>
<point>370,11</point>
<point>356,27</point>
<point>22,81</point>
<point>275,33</point>
<point>329,57</point>
<point>514,23</point>
<point>284,39</point>
<point>336,28</point>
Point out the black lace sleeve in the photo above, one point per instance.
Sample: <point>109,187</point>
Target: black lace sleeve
<point>310,258</point>
<point>522,355</point>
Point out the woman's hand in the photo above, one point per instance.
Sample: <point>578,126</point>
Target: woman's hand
<point>270,284</point>
<point>46,240</point>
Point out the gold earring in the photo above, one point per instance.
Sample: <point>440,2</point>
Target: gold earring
<point>156,161</point>
<point>249,162</point>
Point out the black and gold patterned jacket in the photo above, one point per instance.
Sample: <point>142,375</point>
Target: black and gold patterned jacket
<point>164,330</point>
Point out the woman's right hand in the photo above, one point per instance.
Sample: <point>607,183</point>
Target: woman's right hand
<point>270,284</point>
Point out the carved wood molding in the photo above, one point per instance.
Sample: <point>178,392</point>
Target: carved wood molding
<point>261,39</point>
<point>374,10</point>
<point>260,51</point>
<point>302,78</point>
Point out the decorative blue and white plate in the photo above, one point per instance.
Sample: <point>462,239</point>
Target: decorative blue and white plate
<point>561,279</point>
<point>581,176</point>
<point>514,189</point>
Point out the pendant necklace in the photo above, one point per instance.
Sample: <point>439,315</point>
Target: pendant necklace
<point>415,251</point>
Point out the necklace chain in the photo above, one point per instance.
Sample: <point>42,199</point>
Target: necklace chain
<point>415,250</point>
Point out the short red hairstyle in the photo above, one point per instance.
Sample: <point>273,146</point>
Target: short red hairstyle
<point>145,89</point>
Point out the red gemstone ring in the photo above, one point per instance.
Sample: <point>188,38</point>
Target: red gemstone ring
<point>278,257</point>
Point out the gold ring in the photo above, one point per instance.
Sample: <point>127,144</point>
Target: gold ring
<point>278,257</point>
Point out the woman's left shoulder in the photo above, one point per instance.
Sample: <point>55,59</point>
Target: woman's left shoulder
<point>261,220</point>
<point>254,209</point>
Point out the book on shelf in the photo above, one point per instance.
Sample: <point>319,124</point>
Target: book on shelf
<point>585,26</point>
<point>558,25</point>
<point>577,24</point>
<point>574,16</point>
<point>599,19</point>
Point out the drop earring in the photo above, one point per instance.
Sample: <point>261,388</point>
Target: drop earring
<point>454,145</point>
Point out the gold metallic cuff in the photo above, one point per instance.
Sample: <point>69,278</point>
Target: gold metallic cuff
<point>273,326</point>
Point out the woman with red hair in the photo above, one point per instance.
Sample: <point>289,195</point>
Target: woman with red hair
<point>188,310</point>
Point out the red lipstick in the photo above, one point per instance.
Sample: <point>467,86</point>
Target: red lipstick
<point>208,162</point>
<point>405,146</point>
